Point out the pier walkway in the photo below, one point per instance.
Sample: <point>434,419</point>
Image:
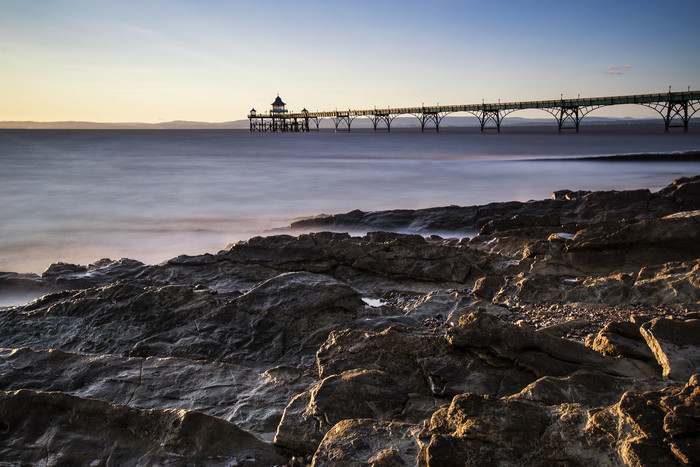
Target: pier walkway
<point>676,109</point>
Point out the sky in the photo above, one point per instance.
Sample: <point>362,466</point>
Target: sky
<point>213,60</point>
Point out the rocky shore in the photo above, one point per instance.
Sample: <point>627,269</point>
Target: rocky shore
<point>563,331</point>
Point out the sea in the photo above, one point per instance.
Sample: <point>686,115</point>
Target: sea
<point>77,196</point>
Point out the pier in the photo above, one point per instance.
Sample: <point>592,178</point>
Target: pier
<point>676,109</point>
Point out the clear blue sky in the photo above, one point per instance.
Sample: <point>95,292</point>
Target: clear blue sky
<point>206,60</point>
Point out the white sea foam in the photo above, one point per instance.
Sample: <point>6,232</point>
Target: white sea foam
<point>373,302</point>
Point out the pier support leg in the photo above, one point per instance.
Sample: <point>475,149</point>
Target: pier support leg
<point>569,113</point>
<point>341,120</point>
<point>430,117</point>
<point>676,110</point>
<point>490,116</point>
<point>381,118</point>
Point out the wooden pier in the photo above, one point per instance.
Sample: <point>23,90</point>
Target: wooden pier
<point>676,109</point>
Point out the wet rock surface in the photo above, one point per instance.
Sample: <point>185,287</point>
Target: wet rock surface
<point>54,428</point>
<point>561,331</point>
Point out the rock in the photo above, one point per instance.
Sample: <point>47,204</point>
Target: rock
<point>584,387</point>
<point>667,284</point>
<point>568,195</point>
<point>676,346</point>
<point>290,314</point>
<point>111,319</point>
<point>449,219</point>
<point>685,192</point>
<point>437,303</point>
<point>60,429</point>
<point>398,256</point>
<point>480,430</point>
<point>481,355</point>
<point>644,243</point>
<point>573,206</point>
<point>386,458</point>
<point>479,306</point>
<point>652,261</point>
<point>515,210</point>
<point>541,354</point>
<point>682,420</point>
<point>532,288</point>
<point>656,427</point>
<point>379,256</point>
<point>368,442</point>
<point>621,339</point>
<point>97,274</point>
<point>279,321</point>
<point>251,400</point>
<point>446,219</point>
<point>608,291</point>
<point>642,428</point>
<point>602,206</point>
<point>352,394</point>
<point>521,222</point>
<point>486,287</point>
<point>412,257</point>
<point>424,364</point>
<point>395,351</point>
<point>300,430</point>
<point>365,394</point>
<point>658,285</point>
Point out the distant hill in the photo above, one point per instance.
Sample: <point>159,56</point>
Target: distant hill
<point>360,122</point>
<point>175,125</point>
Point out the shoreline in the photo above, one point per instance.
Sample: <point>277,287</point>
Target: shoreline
<point>445,226</point>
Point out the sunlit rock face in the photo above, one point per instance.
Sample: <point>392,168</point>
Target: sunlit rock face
<point>559,331</point>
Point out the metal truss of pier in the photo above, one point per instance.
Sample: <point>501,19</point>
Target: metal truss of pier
<point>676,109</point>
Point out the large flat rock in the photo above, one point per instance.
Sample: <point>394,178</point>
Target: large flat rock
<point>54,428</point>
<point>253,401</point>
<point>676,346</point>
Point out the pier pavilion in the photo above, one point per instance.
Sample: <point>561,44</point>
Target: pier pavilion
<point>279,119</point>
<point>676,109</point>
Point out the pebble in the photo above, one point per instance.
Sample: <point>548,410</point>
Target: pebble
<point>545,314</point>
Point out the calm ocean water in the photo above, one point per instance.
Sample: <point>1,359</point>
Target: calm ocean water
<point>78,196</point>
